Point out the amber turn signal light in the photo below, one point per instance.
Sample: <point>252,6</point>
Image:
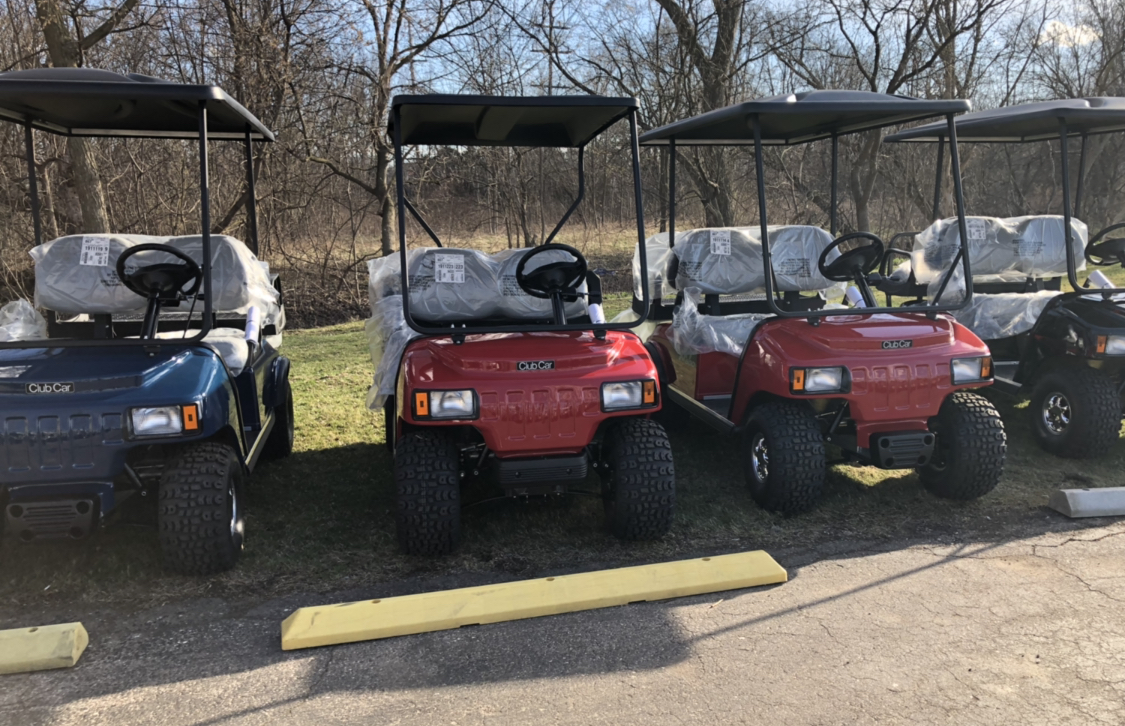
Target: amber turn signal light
<point>191,417</point>
<point>421,404</point>
<point>649,392</point>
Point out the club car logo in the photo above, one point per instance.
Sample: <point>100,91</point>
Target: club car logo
<point>50,388</point>
<point>897,344</point>
<point>536,365</point>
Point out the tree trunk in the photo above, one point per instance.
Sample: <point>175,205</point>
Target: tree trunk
<point>382,194</point>
<point>64,52</point>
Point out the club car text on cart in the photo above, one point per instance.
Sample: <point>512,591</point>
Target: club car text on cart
<point>50,388</point>
<point>536,365</point>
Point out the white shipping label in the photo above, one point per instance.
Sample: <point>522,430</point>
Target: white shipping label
<point>720,242</point>
<point>978,230</point>
<point>95,252</point>
<point>449,268</point>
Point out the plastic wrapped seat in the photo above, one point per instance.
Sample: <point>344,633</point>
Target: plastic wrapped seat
<point>517,304</point>
<point>229,343</point>
<point>1011,250</point>
<point>693,333</point>
<point>77,275</point>
<point>446,284</point>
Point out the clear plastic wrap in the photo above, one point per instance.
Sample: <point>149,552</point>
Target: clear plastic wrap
<point>446,284</point>
<point>387,336</point>
<point>78,274</point>
<point>728,261</point>
<point>1002,315</point>
<point>20,321</point>
<point>657,254</point>
<point>693,333</point>
<point>999,249</point>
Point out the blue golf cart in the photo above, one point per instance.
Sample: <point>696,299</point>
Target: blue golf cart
<point>149,365</point>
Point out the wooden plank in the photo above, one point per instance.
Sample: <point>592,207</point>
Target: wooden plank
<point>41,648</point>
<point>373,619</point>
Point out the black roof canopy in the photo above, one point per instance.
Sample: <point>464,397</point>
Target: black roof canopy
<point>464,120</point>
<point>799,118</point>
<point>1030,121</point>
<point>92,102</point>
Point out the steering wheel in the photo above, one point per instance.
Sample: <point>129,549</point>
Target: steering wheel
<point>1110,252</point>
<point>554,278</point>
<point>165,280</point>
<point>848,265</point>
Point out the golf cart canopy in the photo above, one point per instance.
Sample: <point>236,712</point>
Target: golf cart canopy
<point>1030,122</point>
<point>799,118</point>
<point>555,121</point>
<point>92,102</point>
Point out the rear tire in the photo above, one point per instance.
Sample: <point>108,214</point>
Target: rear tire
<point>1075,412</point>
<point>280,442</point>
<point>428,493</point>
<point>640,486</point>
<point>968,458</point>
<point>783,457</point>
<point>200,522</point>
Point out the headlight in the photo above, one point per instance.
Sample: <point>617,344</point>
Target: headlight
<point>628,394</point>
<point>971,370</point>
<point>818,380</point>
<point>164,420</point>
<point>1111,344</point>
<point>445,404</point>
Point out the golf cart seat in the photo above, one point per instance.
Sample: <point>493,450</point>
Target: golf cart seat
<point>708,264</point>
<point>229,343</point>
<point>452,285</point>
<point>76,275</point>
<point>1017,266</point>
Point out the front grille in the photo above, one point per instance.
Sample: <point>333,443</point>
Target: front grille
<point>73,518</point>
<point>56,443</point>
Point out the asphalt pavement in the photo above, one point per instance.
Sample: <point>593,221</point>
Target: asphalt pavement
<point>1028,631</point>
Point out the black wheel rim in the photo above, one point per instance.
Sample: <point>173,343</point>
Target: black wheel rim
<point>1056,413</point>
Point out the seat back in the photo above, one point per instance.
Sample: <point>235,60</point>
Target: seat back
<point>1010,249</point>
<point>78,274</point>
<point>449,285</point>
<point>728,261</point>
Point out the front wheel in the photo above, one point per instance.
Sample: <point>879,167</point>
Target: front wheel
<point>200,514</point>
<point>428,493</point>
<point>783,457</point>
<point>1075,412</point>
<point>640,487</point>
<point>971,445</point>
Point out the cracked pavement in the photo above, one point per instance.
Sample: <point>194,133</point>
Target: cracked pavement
<point>1027,631</point>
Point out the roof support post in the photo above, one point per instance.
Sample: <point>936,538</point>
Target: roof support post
<point>962,257</point>
<point>251,194</point>
<point>671,193</point>
<point>205,218</point>
<point>760,174</point>
<point>1081,178</point>
<point>833,212</point>
<point>577,200</point>
<point>640,207</point>
<point>937,179</point>
<point>1064,161</point>
<point>33,184</point>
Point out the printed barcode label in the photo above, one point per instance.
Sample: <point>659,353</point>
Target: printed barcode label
<point>449,268</point>
<point>978,230</point>
<point>95,252</point>
<point>720,241</point>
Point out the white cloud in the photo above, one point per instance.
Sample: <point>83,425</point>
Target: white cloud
<point>1067,36</point>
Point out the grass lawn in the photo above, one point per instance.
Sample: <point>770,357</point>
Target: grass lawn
<point>322,519</point>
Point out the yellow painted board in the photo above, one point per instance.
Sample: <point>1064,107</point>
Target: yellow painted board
<point>42,648</point>
<point>373,619</point>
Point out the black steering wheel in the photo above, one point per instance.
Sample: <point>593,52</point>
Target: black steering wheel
<point>853,263</point>
<point>1110,252</point>
<point>560,278</point>
<point>163,281</point>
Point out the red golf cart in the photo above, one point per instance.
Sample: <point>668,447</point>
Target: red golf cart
<point>754,349</point>
<point>502,364</point>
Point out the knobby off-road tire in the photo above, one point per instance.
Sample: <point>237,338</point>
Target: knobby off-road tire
<point>783,457</point>
<point>969,453</point>
<point>640,483</point>
<point>199,519</point>
<point>280,442</point>
<point>1088,401</point>
<point>428,493</point>
<point>390,424</point>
